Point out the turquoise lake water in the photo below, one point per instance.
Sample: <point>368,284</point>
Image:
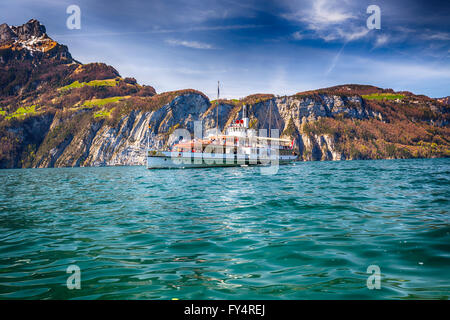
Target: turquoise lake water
<point>308,232</point>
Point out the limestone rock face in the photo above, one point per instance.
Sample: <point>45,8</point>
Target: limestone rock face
<point>307,109</point>
<point>99,144</point>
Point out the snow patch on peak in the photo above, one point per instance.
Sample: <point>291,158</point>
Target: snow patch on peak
<point>42,43</point>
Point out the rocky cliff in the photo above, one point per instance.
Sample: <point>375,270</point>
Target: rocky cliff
<point>78,138</point>
<point>74,114</point>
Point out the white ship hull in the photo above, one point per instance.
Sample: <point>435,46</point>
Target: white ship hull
<point>181,160</point>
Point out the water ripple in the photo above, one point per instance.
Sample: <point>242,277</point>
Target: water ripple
<point>308,232</point>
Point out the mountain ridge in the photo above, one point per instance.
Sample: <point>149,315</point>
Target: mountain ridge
<point>56,111</point>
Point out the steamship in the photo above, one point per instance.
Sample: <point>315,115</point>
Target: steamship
<point>239,146</point>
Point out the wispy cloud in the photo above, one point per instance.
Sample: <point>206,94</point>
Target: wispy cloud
<point>354,34</point>
<point>157,30</point>
<point>298,35</point>
<point>325,12</point>
<point>444,36</point>
<point>335,60</point>
<point>330,20</point>
<point>189,44</point>
<point>381,40</point>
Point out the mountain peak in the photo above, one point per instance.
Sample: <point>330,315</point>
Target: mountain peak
<point>6,33</point>
<point>27,40</point>
<point>30,30</point>
<point>31,62</point>
<point>33,28</point>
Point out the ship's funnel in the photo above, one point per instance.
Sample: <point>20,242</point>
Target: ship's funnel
<point>244,116</point>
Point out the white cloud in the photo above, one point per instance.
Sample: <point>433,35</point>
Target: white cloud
<point>439,36</point>
<point>330,20</point>
<point>298,35</point>
<point>326,12</point>
<point>381,40</point>
<point>354,34</point>
<point>189,44</point>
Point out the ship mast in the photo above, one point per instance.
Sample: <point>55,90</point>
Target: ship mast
<point>217,111</point>
<point>148,136</point>
<point>270,116</point>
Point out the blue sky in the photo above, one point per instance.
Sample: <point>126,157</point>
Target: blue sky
<point>279,47</point>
